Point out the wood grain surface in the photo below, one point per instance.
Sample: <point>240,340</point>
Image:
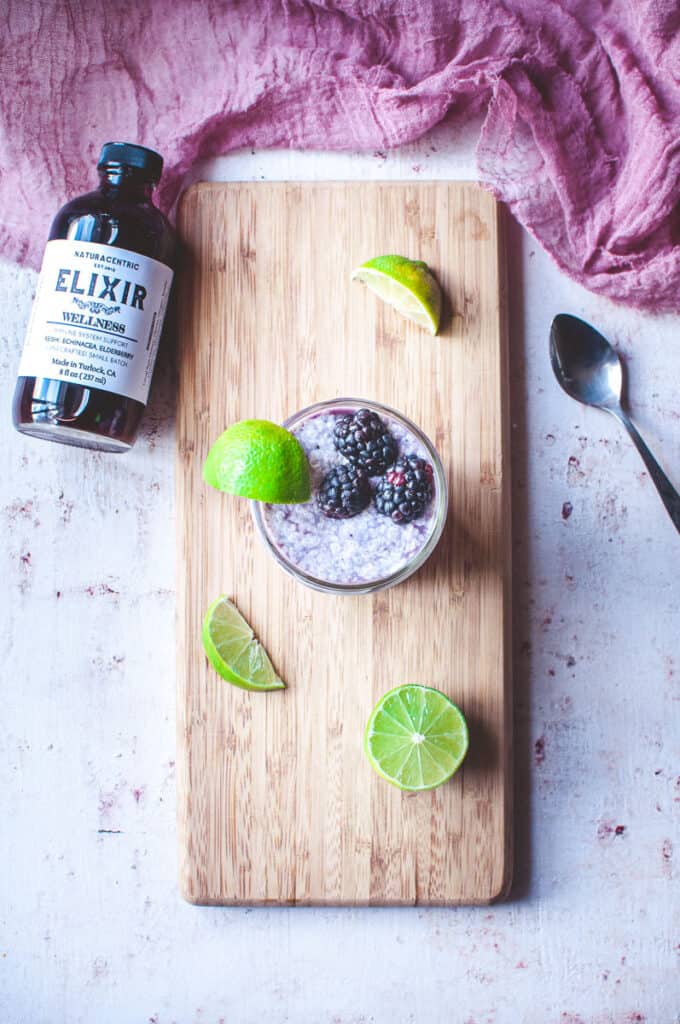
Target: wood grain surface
<point>276,801</point>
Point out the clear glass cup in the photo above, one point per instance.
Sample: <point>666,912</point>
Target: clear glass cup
<point>437,523</point>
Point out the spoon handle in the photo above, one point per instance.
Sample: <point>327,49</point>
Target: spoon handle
<point>667,492</point>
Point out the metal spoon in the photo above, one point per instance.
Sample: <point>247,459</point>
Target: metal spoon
<point>589,370</point>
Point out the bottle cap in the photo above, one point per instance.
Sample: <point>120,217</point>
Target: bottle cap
<point>130,155</point>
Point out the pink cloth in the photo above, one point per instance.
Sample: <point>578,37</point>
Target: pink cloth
<point>581,136</point>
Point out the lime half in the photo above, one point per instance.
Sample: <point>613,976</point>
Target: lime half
<point>416,738</point>
<point>261,460</point>
<point>233,651</point>
<point>408,285</point>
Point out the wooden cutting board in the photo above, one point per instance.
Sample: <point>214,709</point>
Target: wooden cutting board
<point>277,803</point>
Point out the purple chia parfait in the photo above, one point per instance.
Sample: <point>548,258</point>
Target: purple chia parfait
<point>378,504</point>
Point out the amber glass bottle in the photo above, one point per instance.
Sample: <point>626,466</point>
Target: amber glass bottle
<point>100,303</point>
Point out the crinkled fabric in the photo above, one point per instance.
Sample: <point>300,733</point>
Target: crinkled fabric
<point>581,104</point>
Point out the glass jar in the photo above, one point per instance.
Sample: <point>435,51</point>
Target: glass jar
<point>282,527</point>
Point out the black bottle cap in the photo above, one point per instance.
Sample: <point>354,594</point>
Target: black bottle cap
<point>130,155</point>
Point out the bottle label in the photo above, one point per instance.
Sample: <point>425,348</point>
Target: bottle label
<point>97,318</point>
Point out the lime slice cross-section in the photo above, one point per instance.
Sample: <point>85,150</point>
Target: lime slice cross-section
<point>407,285</point>
<point>416,738</point>
<point>234,652</point>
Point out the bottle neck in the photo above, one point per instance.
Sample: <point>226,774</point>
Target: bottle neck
<point>125,182</point>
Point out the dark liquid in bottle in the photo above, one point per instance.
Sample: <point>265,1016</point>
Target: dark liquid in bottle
<point>119,213</point>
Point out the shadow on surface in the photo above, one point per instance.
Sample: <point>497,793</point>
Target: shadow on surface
<point>521,654</point>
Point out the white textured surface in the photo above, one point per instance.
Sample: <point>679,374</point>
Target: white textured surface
<point>91,924</point>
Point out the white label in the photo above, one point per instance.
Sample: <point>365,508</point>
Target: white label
<point>97,317</point>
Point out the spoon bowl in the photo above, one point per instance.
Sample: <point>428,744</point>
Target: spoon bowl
<point>584,362</point>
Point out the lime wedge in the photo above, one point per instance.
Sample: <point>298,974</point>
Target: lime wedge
<point>234,652</point>
<point>407,285</point>
<point>416,738</point>
<point>261,460</point>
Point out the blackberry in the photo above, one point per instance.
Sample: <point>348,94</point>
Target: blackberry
<point>406,490</point>
<point>344,492</point>
<point>364,440</point>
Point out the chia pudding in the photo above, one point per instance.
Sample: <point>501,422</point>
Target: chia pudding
<point>357,548</point>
